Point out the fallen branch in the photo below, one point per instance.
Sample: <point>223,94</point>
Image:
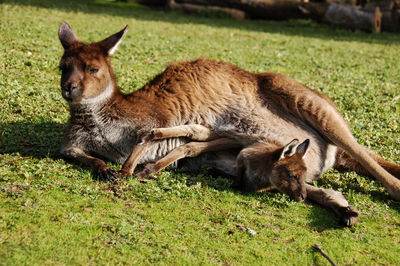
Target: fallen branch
<point>318,248</point>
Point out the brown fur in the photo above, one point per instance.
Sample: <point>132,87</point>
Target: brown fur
<point>108,123</point>
<point>260,166</point>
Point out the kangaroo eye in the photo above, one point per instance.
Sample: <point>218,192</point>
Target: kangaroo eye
<point>292,176</point>
<point>94,70</point>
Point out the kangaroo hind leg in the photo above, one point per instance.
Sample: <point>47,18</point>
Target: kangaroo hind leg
<point>344,161</point>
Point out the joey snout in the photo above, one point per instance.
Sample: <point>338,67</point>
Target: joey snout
<point>301,194</point>
<point>301,197</point>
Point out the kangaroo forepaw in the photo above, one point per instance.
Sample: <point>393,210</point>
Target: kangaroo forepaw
<point>106,174</point>
<point>349,216</point>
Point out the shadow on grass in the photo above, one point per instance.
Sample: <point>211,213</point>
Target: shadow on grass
<point>320,218</point>
<point>34,140</point>
<point>135,11</point>
<point>38,140</point>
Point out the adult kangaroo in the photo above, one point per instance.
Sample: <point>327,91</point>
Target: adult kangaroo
<point>104,122</point>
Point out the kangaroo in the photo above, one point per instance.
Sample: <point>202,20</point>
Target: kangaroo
<point>106,123</point>
<point>260,165</point>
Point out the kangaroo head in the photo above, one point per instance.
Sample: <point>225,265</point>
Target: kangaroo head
<point>87,75</point>
<point>288,171</point>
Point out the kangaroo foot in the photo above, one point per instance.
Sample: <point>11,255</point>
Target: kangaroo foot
<point>349,216</point>
<point>149,169</point>
<point>394,189</point>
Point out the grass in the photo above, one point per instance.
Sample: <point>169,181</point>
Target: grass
<point>53,212</point>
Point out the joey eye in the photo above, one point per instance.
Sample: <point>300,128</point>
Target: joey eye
<point>292,176</point>
<point>93,70</point>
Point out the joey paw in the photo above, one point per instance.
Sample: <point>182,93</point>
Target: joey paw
<point>349,216</point>
<point>152,135</point>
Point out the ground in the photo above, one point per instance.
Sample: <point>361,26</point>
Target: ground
<point>53,212</point>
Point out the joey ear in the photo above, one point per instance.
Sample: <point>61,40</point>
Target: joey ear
<point>66,35</point>
<point>303,147</point>
<point>111,43</point>
<point>289,149</point>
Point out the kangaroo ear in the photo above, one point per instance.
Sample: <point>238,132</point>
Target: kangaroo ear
<point>111,43</point>
<point>66,35</point>
<point>289,149</point>
<point>303,147</point>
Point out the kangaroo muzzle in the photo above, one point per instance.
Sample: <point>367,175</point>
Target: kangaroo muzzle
<point>71,91</point>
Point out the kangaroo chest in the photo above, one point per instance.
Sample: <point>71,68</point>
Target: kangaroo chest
<point>113,140</point>
<point>100,134</point>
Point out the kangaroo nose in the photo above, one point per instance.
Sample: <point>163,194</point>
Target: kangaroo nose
<point>72,86</point>
<point>70,90</point>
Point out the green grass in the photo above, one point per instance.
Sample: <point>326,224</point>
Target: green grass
<point>53,212</point>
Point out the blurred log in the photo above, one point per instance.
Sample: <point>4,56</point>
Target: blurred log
<point>187,7</point>
<point>390,14</point>
<point>350,17</point>
<point>258,9</point>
